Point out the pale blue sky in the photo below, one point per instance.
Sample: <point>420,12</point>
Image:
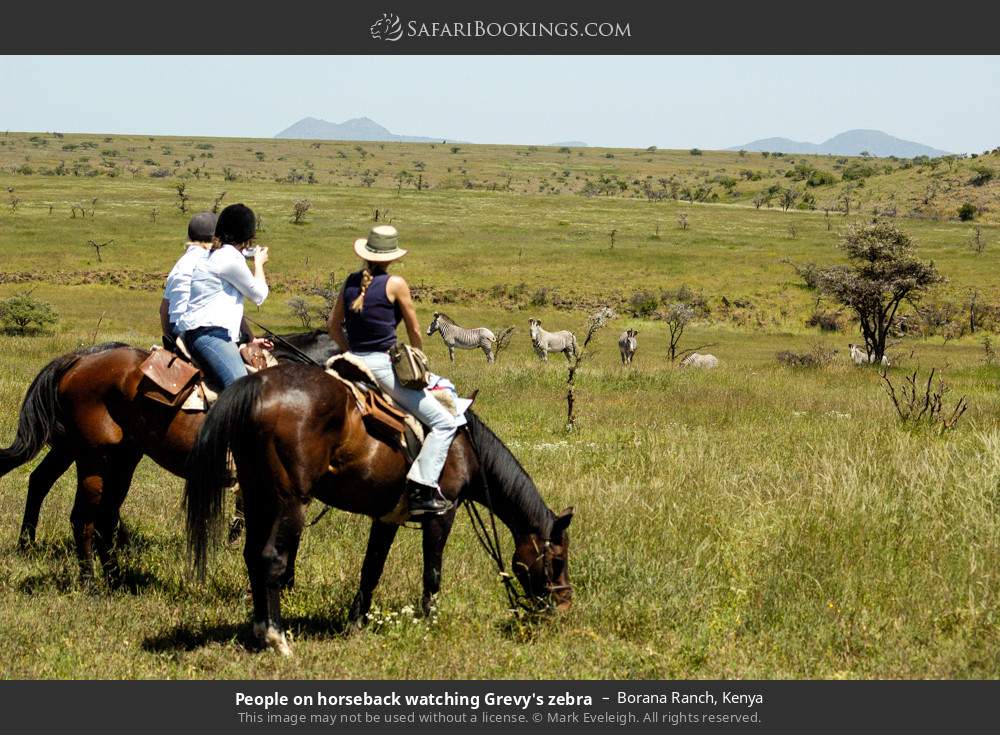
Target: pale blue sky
<point>952,103</point>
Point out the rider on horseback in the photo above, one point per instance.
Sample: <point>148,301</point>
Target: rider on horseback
<point>377,303</point>
<point>212,322</point>
<point>177,290</point>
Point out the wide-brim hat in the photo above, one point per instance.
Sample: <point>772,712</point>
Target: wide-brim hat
<point>236,225</point>
<point>381,245</point>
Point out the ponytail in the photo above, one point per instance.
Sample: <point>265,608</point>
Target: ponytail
<point>366,279</point>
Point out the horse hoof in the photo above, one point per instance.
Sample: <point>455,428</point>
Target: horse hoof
<point>272,638</point>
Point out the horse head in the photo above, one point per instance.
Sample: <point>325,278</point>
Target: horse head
<point>541,565</point>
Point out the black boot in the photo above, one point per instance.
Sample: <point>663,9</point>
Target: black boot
<point>425,501</point>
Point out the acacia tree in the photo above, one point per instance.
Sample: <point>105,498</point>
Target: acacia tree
<point>677,317</point>
<point>883,272</point>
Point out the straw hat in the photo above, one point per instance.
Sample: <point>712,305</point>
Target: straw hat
<point>381,245</point>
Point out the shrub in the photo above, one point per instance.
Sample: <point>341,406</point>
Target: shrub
<point>858,170</point>
<point>818,356</point>
<point>540,297</point>
<point>695,152</point>
<point>820,178</point>
<point>24,314</point>
<point>643,303</point>
<point>827,321</point>
<point>983,175</point>
<point>967,212</point>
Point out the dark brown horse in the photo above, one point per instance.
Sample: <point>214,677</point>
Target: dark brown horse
<point>81,405</point>
<point>296,434</point>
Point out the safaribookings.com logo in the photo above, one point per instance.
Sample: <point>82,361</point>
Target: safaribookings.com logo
<point>390,28</point>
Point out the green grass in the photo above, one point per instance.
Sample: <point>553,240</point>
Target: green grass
<point>752,521</point>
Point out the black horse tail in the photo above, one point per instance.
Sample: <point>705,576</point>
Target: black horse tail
<point>226,426</point>
<point>41,418</point>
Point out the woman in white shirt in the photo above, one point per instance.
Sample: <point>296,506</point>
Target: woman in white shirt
<point>211,323</point>
<point>177,290</point>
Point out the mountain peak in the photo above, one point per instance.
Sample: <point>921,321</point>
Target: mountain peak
<point>849,143</point>
<point>357,128</point>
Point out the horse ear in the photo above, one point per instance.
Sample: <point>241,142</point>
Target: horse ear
<point>561,523</point>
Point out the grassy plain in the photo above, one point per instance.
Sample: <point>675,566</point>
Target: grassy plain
<point>753,521</point>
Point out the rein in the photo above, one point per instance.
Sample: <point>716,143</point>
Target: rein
<point>284,341</point>
<point>489,539</point>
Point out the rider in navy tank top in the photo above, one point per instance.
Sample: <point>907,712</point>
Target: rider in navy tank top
<point>373,329</point>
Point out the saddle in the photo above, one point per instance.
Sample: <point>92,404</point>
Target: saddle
<point>382,418</point>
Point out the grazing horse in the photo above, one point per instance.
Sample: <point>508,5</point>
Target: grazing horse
<point>296,434</point>
<point>627,345</point>
<point>546,342</point>
<point>462,338</point>
<point>84,406</point>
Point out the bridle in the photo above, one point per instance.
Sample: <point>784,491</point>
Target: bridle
<point>489,539</point>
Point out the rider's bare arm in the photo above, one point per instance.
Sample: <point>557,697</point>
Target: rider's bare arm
<point>398,290</point>
<point>335,324</point>
<point>165,317</point>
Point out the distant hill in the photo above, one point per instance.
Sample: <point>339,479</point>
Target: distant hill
<point>359,128</point>
<point>851,143</point>
<point>568,144</point>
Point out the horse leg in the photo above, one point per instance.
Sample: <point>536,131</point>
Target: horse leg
<point>117,479</point>
<point>268,564</point>
<point>435,536</point>
<point>89,488</point>
<point>380,540</point>
<point>238,522</point>
<point>451,352</point>
<point>41,480</point>
<point>489,354</point>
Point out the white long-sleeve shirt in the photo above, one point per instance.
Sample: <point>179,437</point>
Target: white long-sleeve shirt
<point>177,291</point>
<point>218,286</point>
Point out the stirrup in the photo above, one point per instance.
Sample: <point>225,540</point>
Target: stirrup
<point>426,501</point>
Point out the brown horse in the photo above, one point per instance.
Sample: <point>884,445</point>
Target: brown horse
<point>296,434</point>
<point>82,405</point>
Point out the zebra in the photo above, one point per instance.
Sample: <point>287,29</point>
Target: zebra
<point>697,360</point>
<point>861,357</point>
<point>546,342</point>
<point>462,338</point>
<point>627,345</point>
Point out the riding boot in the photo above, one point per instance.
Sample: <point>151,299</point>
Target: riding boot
<point>425,500</point>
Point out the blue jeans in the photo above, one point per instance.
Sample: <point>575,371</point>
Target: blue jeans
<point>216,354</point>
<point>426,470</point>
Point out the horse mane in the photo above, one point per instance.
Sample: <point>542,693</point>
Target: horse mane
<point>507,477</point>
<point>442,315</point>
<point>94,349</point>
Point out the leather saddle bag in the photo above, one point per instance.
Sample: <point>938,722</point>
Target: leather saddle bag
<point>382,419</point>
<point>167,378</point>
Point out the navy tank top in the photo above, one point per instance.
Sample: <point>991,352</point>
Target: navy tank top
<point>373,329</point>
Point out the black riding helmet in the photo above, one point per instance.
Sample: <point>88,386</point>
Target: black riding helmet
<point>237,224</point>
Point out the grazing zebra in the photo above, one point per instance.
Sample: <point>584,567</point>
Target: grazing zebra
<point>627,345</point>
<point>861,357</point>
<point>697,360</point>
<point>462,338</point>
<point>546,342</point>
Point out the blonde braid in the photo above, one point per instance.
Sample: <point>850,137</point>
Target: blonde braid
<point>366,279</point>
